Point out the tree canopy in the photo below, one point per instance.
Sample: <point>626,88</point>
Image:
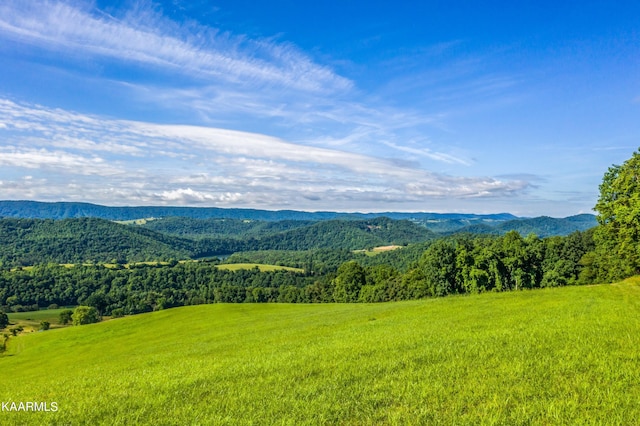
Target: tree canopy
<point>618,207</point>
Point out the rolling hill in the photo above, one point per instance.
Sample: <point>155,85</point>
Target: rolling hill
<point>31,241</point>
<point>542,226</point>
<point>34,241</point>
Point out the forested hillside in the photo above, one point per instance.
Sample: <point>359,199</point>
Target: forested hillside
<point>456,265</point>
<point>37,241</point>
<point>214,227</point>
<point>27,242</point>
<point>542,226</point>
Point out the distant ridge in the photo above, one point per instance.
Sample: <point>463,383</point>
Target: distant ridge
<point>542,226</point>
<point>68,210</point>
<point>439,223</point>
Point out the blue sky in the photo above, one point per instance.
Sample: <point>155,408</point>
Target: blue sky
<point>440,106</point>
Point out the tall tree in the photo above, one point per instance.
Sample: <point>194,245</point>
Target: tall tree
<point>438,264</point>
<point>347,284</point>
<point>618,236</point>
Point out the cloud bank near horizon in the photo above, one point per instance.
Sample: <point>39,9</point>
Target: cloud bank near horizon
<point>60,154</point>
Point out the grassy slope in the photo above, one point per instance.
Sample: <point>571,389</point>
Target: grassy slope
<point>560,356</point>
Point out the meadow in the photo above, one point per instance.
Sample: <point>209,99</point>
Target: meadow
<point>260,266</point>
<point>554,356</point>
<point>30,321</point>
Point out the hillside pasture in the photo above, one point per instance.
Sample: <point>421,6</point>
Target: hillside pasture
<point>554,356</point>
<point>30,320</point>
<point>260,266</point>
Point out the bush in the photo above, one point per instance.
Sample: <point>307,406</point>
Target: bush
<point>117,313</point>
<point>65,316</point>
<point>4,320</point>
<point>85,315</point>
<point>44,325</point>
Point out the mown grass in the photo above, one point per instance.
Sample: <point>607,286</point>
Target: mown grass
<point>262,267</point>
<point>559,356</point>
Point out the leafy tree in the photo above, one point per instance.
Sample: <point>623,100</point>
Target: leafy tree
<point>4,320</point>
<point>96,300</point>
<point>44,325</point>
<point>618,236</point>
<point>438,266</point>
<point>85,315</point>
<point>65,316</point>
<point>351,277</point>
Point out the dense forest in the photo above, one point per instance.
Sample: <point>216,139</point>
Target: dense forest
<point>26,242</point>
<point>453,265</point>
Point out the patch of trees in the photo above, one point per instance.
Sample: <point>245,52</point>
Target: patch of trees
<point>464,265</point>
<point>144,288</point>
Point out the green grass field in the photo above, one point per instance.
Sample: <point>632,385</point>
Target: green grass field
<point>262,267</point>
<point>558,356</point>
<point>31,320</point>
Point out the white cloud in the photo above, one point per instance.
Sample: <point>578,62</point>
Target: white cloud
<point>177,164</point>
<point>425,152</point>
<point>227,80</point>
<point>189,196</point>
<point>148,39</point>
<point>55,160</point>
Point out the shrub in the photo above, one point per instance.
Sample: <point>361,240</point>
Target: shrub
<point>4,320</point>
<point>85,315</point>
<point>65,316</point>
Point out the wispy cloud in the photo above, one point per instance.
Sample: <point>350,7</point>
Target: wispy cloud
<point>425,152</point>
<point>151,40</point>
<point>55,161</point>
<point>226,81</point>
<point>195,164</point>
